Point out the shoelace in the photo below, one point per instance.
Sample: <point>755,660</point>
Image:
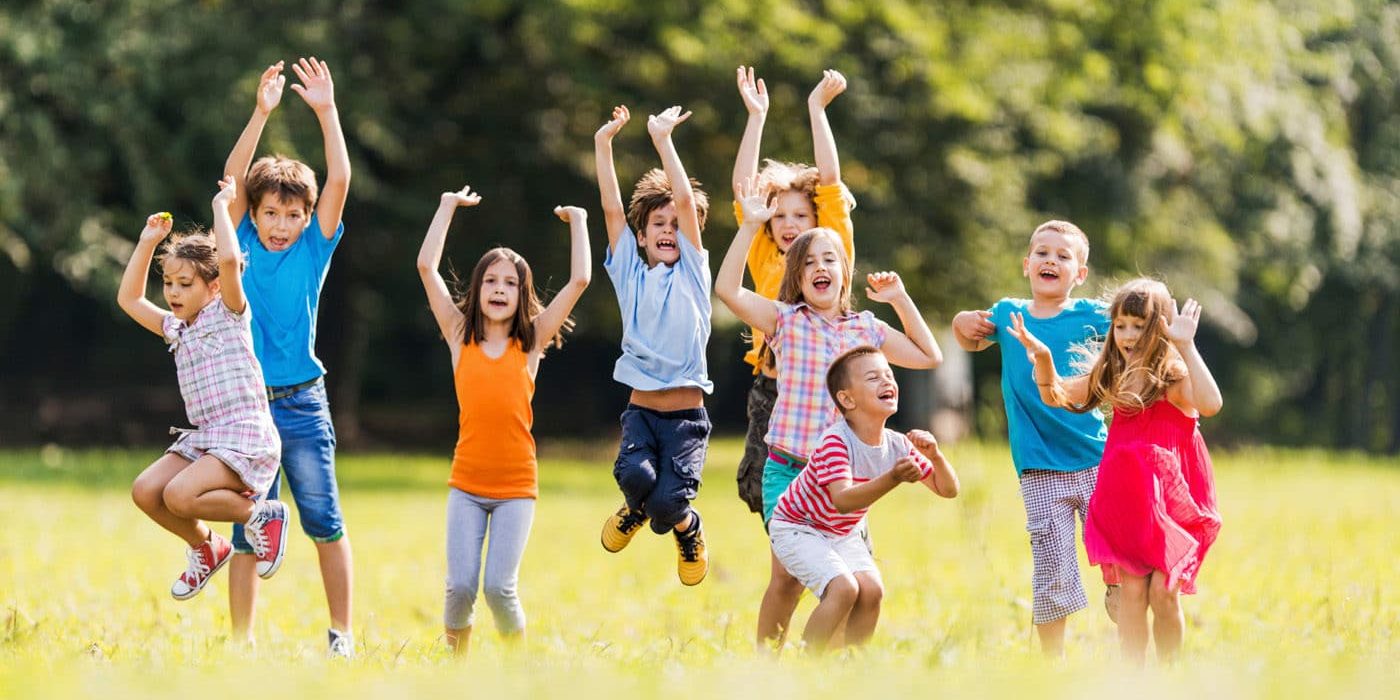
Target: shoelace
<point>690,545</point>
<point>195,568</point>
<point>631,521</point>
<point>257,539</point>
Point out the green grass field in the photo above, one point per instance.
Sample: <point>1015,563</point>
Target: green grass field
<point>1297,598</point>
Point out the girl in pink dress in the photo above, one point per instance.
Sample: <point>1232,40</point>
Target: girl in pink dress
<point>1152,516</point>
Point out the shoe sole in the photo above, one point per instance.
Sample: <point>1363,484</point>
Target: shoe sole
<point>207,579</point>
<point>281,549</point>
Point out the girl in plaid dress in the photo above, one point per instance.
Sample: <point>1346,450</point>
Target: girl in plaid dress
<point>1152,516</point>
<point>810,323</point>
<point>218,469</point>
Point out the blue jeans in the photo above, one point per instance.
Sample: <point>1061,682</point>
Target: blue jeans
<point>303,421</point>
<point>659,463</point>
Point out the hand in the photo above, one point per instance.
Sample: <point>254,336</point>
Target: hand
<point>270,88</point>
<point>464,197</point>
<point>620,117</point>
<point>1181,330</point>
<point>753,203</point>
<point>755,93</point>
<point>157,227</point>
<point>885,287</point>
<point>831,85</point>
<point>570,214</point>
<point>974,324</point>
<point>1034,348</point>
<point>661,125</point>
<point>923,441</point>
<point>906,471</point>
<point>316,86</point>
<point>227,191</point>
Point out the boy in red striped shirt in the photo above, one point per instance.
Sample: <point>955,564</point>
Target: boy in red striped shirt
<point>814,526</point>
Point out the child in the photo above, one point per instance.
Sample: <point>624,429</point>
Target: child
<point>496,333</point>
<point>807,326</point>
<point>1056,452</point>
<point>289,235</point>
<point>1152,516</point>
<point>660,269</point>
<point>815,523</point>
<point>220,469</point>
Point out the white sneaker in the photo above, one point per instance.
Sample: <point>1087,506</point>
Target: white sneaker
<point>342,644</point>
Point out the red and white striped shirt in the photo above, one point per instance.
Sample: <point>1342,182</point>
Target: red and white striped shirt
<point>841,455</point>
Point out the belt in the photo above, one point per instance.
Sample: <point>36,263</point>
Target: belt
<point>282,392</point>
<point>785,459</point>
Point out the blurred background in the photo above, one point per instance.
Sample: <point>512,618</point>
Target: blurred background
<point>1247,153</point>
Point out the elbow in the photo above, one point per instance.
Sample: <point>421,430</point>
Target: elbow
<point>934,358</point>
<point>950,488</point>
<point>580,281</point>
<point>425,266</point>
<point>1211,408</point>
<point>842,507</point>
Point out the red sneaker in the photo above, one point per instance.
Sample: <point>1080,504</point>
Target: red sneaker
<point>266,531</point>
<point>204,561</point>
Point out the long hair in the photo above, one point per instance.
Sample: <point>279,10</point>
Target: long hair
<point>790,292</point>
<point>528,307</point>
<point>1120,384</point>
<point>197,248</point>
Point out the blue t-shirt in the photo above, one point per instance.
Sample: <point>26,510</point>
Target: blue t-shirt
<point>284,291</point>
<point>1043,437</point>
<point>665,316</point>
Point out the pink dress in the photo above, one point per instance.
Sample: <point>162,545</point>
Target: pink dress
<point>1153,508</point>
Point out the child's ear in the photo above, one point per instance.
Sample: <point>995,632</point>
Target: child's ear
<point>1083,274</point>
<point>214,286</point>
<point>1026,266</point>
<point>845,401</point>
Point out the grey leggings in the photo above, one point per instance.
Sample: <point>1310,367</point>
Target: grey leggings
<point>468,518</point>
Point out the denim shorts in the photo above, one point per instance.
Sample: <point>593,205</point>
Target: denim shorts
<point>303,421</point>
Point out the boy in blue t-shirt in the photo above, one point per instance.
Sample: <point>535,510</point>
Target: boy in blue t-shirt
<point>661,271</point>
<point>1056,452</point>
<point>288,235</point>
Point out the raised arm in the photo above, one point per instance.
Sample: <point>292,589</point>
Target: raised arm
<point>241,157</point>
<point>751,308</point>
<point>226,248</point>
<point>973,330</point>
<point>849,497</point>
<point>318,91</point>
<point>131,295</point>
<point>548,323</point>
<point>942,480</point>
<point>1054,391</point>
<point>1199,389</point>
<point>660,127</point>
<point>614,216</point>
<point>755,96</point>
<point>445,312</point>
<point>823,142</point>
<point>915,348</point>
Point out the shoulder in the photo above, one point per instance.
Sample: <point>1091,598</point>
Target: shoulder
<point>622,255</point>
<point>318,233</point>
<point>1006,305</point>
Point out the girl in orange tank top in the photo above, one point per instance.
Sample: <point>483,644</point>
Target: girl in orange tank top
<point>496,330</point>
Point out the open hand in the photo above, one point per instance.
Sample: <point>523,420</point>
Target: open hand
<point>570,214</point>
<point>620,117</point>
<point>753,203</point>
<point>464,197</point>
<point>1034,348</point>
<point>831,85</point>
<point>884,287</point>
<point>316,86</point>
<point>1181,330</point>
<point>974,324</point>
<point>754,92</point>
<point>906,471</point>
<point>661,125</point>
<point>157,227</point>
<point>270,88</point>
<point>227,191</point>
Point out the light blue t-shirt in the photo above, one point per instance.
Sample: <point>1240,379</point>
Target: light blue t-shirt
<point>665,316</point>
<point>1043,437</point>
<point>284,291</point>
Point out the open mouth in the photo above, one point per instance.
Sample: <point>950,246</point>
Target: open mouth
<point>277,241</point>
<point>176,307</point>
<point>888,395</point>
<point>496,303</point>
<point>1048,274</point>
<point>821,283</point>
<point>787,239</point>
<point>666,244</point>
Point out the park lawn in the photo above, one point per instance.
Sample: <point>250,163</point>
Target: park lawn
<point>1296,598</point>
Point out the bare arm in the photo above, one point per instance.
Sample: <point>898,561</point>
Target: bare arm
<point>660,127</point>
<point>823,141</point>
<point>226,249</point>
<point>548,323</point>
<point>751,308</point>
<point>241,157</point>
<point>915,348</point>
<point>614,216</point>
<point>755,96</point>
<point>1054,391</point>
<point>849,497</point>
<point>317,89</point>
<point>1199,389</point>
<point>973,330</point>
<point>445,311</point>
<point>942,480</point>
<point>131,295</point>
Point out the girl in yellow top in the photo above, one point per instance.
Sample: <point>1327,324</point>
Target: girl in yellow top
<point>497,330</point>
<point>804,197</point>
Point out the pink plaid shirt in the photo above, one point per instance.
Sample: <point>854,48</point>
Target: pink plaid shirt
<point>804,344</point>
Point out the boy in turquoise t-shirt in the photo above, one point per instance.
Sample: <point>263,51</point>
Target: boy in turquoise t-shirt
<point>1056,452</point>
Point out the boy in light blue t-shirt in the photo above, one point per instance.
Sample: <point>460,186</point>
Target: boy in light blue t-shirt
<point>660,269</point>
<point>1056,452</point>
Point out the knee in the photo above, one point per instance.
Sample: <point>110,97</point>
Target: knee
<point>666,510</point>
<point>460,593</point>
<point>871,594</point>
<point>1133,592</point>
<point>146,494</point>
<point>178,500</point>
<point>499,594</point>
<point>1162,599</point>
<point>842,591</point>
<point>634,477</point>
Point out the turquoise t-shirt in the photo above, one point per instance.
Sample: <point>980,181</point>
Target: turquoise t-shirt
<point>665,316</point>
<point>284,291</point>
<point>1043,437</point>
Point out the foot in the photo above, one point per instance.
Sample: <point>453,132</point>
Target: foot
<point>266,531</point>
<point>692,562</point>
<point>202,563</point>
<point>621,527</point>
<point>1110,602</point>
<point>342,644</point>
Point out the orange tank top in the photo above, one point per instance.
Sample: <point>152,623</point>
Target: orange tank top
<point>495,455</point>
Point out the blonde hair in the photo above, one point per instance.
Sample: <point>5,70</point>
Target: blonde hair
<point>1068,230</point>
<point>778,176</point>
<point>284,177</point>
<point>1132,386</point>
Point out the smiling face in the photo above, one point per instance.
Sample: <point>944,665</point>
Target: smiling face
<point>659,239</point>
<point>280,221</point>
<point>794,213</point>
<point>823,274</point>
<point>869,387</point>
<point>1055,264</point>
<point>185,292</point>
<point>500,291</point>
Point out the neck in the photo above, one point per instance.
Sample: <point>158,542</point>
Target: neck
<point>1048,305</point>
<point>496,331</point>
<point>830,313</point>
<point>867,426</point>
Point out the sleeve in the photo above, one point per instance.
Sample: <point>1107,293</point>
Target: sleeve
<point>1001,318</point>
<point>619,261</point>
<point>170,328</point>
<point>925,466</point>
<point>834,212</point>
<point>246,234</point>
<point>695,265</point>
<point>874,329</point>
<point>785,313</point>
<point>831,462</point>
<point>1099,311</point>
<point>316,238</point>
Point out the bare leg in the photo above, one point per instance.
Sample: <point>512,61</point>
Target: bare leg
<point>1052,637</point>
<point>243,595</point>
<point>458,639</point>
<point>1168,623</point>
<point>779,602</point>
<point>1132,618</point>
<point>866,611</point>
<point>837,600</point>
<point>148,492</point>
<point>208,490</point>
<point>338,577</point>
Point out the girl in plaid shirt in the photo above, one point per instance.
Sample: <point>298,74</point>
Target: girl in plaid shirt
<point>220,469</point>
<point>810,323</point>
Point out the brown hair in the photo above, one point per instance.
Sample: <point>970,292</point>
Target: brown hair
<point>1115,382</point>
<point>653,191</point>
<point>790,292</point>
<point>838,374</point>
<point>527,308</point>
<point>1068,229</point>
<point>779,176</point>
<point>283,177</point>
<point>195,247</point>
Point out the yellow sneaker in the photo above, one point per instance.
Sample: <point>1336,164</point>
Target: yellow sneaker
<point>693,561</point>
<point>621,527</point>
